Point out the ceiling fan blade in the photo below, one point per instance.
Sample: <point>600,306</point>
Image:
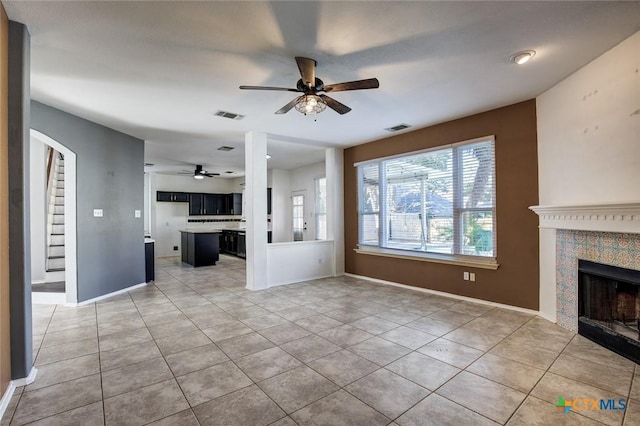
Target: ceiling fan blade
<point>280,89</point>
<point>307,69</point>
<point>335,105</point>
<point>285,109</point>
<point>211,174</point>
<point>369,83</point>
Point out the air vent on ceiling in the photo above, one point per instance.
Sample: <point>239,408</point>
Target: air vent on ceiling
<point>227,114</point>
<point>226,148</point>
<point>148,164</point>
<point>229,171</point>
<point>397,128</point>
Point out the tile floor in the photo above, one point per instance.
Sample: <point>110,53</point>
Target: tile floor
<point>198,348</point>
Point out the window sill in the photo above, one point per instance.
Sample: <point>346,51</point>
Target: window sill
<point>472,262</point>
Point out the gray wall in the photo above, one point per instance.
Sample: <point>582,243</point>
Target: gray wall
<point>19,218</point>
<point>109,176</point>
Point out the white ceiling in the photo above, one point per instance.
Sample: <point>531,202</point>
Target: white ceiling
<point>159,70</point>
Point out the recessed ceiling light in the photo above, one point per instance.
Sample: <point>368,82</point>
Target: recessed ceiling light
<point>523,57</point>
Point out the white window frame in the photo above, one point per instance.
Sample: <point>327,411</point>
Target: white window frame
<point>319,213</point>
<point>488,262</point>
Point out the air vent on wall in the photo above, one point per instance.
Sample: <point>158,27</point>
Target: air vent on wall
<point>227,114</point>
<point>397,128</point>
<point>225,148</point>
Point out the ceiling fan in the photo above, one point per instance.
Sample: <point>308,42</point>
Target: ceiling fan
<point>199,173</point>
<point>311,102</point>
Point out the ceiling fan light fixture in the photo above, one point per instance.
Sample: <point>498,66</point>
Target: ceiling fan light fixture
<point>523,57</point>
<point>310,104</point>
<point>198,176</point>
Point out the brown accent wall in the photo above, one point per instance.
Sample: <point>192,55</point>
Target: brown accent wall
<point>516,281</point>
<point>5,349</point>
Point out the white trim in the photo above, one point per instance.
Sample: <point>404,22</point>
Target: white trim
<point>611,217</point>
<point>487,138</point>
<point>449,295</point>
<point>459,260</point>
<point>26,380</point>
<point>106,296</point>
<point>6,398</point>
<point>71,238</point>
<point>47,298</point>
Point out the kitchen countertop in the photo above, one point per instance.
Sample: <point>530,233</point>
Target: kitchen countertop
<point>149,240</point>
<point>202,231</point>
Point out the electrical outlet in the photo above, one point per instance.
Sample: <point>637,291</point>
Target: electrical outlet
<point>98,213</point>
<point>137,214</point>
<point>465,275</point>
<point>175,248</point>
<point>472,276</point>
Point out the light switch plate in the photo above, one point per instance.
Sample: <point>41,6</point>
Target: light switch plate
<point>97,213</point>
<point>137,213</point>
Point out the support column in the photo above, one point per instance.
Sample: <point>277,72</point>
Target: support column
<point>255,192</point>
<point>334,169</point>
<point>19,218</point>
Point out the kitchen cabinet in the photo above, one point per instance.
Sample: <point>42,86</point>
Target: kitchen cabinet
<point>196,204</point>
<point>268,200</point>
<point>174,197</point>
<point>211,204</point>
<point>200,248</point>
<point>234,204</point>
<point>149,260</point>
<point>242,244</point>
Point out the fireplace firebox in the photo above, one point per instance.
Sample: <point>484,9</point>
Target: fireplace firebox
<point>609,307</point>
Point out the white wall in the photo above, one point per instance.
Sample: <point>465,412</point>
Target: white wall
<point>303,179</point>
<point>589,132</point>
<point>38,189</point>
<point>280,206</point>
<point>300,261</point>
<point>588,144</point>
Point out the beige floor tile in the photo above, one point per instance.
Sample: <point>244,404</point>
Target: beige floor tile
<point>204,385</point>
<point>380,351</point>
<point>297,388</point>
<point>128,355</point>
<point>335,409</point>
<point>408,337</point>
<point>88,415</point>
<point>66,351</point>
<point>345,335</point>
<point>145,405</point>
<point>63,371</point>
<point>227,331</point>
<point>267,363</point>
<point>489,325</point>
<point>310,348</point>
<point>194,359</point>
<point>583,348</point>
<point>536,412</point>
<point>435,410</point>
<point>450,352</point>
<point>244,345</point>
<point>516,375</point>
<point>257,409</point>
<point>374,325</point>
<point>135,376</point>
<point>423,370</point>
<point>452,317</point>
<point>124,338</point>
<point>318,323</point>
<point>473,338</point>
<point>534,356</point>
<point>264,321</point>
<point>158,331</point>
<point>608,377</point>
<point>483,396</point>
<point>387,392</point>
<point>284,333</point>
<point>183,418</point>
<point>343,367</point>
<point>632,414</point>
<point>180,342</point>
<point>432,326</point>
<point>57,399</point>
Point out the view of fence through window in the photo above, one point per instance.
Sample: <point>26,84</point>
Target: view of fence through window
<point>441,201</point>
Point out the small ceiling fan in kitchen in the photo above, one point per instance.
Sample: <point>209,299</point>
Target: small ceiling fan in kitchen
<point>199,173</point>
<point>311,102</point>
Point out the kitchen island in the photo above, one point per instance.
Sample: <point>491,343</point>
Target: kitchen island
<point>200,247</point>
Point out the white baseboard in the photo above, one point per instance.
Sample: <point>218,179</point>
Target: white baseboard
<point>26,380</point>
<point>106,296</point>
<point>6,398</point>
<point>449,295</point>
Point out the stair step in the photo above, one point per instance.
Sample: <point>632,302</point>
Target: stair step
<point>57,250</point>
<point>55,263</point>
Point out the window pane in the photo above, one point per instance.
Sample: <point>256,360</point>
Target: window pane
<point>478,178</point>
<point>419,202</point>
<point>369,229</point>
<point>369,201</point>
<point>477,233</point>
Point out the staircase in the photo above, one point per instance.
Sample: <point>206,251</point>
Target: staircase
<point>55,218</point>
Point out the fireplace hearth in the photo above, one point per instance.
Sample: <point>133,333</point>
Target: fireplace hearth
<point>609,307</point>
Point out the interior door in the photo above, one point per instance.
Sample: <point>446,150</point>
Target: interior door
<point>299,224</point>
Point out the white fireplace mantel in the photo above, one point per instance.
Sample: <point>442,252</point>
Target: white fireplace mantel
<point>614,217</point>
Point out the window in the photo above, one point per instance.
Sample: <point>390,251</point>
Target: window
<point>321,208</point>
<point>438,201</point>
<point>297,204</point>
